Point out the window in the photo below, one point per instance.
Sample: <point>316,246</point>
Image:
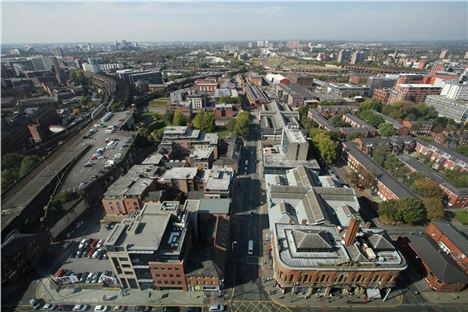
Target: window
<point>123,259</point>
<point>126,265</point>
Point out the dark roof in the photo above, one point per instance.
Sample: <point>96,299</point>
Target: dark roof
<point>222,232</point>
<point>378,171</point>
<point>432,175</point>
<point>441,265</point>
<point>453,235</point>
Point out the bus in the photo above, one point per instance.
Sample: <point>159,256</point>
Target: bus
<point>250,251</point>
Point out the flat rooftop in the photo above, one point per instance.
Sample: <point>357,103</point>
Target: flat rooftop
<point>180,173</point>
<point>295,135</point>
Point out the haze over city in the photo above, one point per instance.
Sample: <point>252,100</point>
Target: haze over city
<point>209,21</point>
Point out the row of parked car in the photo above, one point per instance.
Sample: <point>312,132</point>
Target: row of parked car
<point>38,304</point>
<point>91,248</point>
<point>85,277</point>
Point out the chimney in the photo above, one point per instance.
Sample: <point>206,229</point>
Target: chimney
<point>351,232</point>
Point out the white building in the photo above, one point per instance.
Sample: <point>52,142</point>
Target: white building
<point>455,90</point>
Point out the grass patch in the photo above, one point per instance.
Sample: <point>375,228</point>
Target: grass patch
<point>161,102</point>
<point>461,216</point>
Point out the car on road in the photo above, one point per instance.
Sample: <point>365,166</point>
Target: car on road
<point>216,308</point>
<point>101,308</point>
<point>35,303</point>
<point>80,307</point>
<point>250,250</point>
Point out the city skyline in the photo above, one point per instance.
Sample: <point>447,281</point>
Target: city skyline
<point>148,21</point>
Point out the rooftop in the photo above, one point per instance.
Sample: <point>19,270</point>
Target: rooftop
<point>180,173</point>
<point>320,246</point>
<point>219,180</point>
<point>440,264</point>
<point>380,173</point>
<point>433,175</point>
<point>294,135</point>
<point>134,182</point>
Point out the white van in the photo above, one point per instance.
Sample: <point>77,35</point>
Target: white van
<point>250,250</point>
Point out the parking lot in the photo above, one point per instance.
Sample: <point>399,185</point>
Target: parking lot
<point>93,232</point>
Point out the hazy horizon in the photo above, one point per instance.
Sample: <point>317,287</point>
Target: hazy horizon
<point>53,22</point>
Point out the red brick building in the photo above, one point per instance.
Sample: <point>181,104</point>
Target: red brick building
<point>451,241</point>
<point>381,95</point>
<point>413,92</point>
<point>387,187</point>
<point>441,156</point>
<point>126,194</point>
<point>208,85</point>
<point>440,272</point>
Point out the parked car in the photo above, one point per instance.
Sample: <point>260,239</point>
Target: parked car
<point>79,253</point>
<point>35,303</point>
<point>89,278</point>
<point>99,244</point>
<point>90,252</point>
<point>49,307</point>
<point>119,308</point>
<point>95,254</point>
<point>83,277</point>
<point>94,243</point>
<point>101,308</point>
<point>61,272</point>
<point>65,307</point>
<point>80,307</point>
<point>142,309</point>
<point>216,308</point>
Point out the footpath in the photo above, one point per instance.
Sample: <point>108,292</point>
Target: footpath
<point>131,297</point>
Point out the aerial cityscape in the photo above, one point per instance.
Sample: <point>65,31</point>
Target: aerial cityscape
<point>234,156</point>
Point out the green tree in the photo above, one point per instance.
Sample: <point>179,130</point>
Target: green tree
<point>205,121</point>
<point>462,149</point>
<point>434,208</point>
<point>8,177</point>
<point>389,210</point>
<point>27,163</point>
<point>429,189</point>
<point>116,106</point>
<point>411,211</point>
<point>231,125</point>
<point>179,119</point>
<point>386,130</point>
<point>168,117</point>
<point>85,101</point>
<point>12,160</point>
<point>242,123</point>
<point>326,147</point>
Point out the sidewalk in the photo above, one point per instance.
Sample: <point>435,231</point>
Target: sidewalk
<point>134,296</point>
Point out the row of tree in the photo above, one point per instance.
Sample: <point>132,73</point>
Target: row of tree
<point>14,166</point>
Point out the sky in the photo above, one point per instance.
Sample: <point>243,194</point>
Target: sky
<point>90,21</point>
